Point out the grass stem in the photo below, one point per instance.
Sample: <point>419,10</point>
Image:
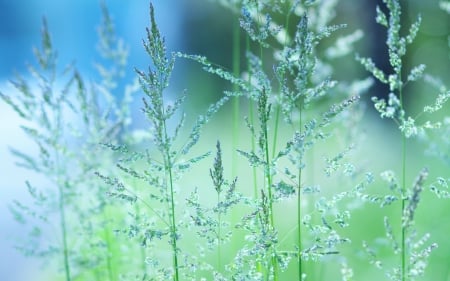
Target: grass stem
<point>252,122</point>
<point>236,106</point>
<point>299,213</point>
<point>168,170</point>
<point>64,232</point>
<point>173,229</point>
<point>219,237</point>
<point>403,190</point>
<point>403,237</point>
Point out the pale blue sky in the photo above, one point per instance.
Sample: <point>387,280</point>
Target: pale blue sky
<point>73,27</point>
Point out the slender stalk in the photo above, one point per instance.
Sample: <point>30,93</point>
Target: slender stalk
<point>61,195</point>
<point>64,232</point>
<point>236,53</point>
<point>268,181</point>
<point>168,170</point>
<point>403,192</point>
<point>236,105</point>
<point>255,178</point>
<point>268,175</point>
<point>275,130</point>
<point>173,228</point>
<point>404,254</point>
<point>278,108</point>
<point>299,213</point>
<point>219,235</point>
<point>252,122</point>
<point>269,190</point>
<point>173,225</point>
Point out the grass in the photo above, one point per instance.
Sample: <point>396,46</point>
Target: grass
<point>290,210</point>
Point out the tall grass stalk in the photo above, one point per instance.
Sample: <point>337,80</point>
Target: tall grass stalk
<point>252,122</point>
<point>61,205</point>
<point>64,235</point>
<point>153,84</point>
<point>299,210</point>
<point>173,221</point>
<point>264,112</point>
<point>403,204</point>
<point>61,183</point>
<point>218,181</point>
<point>236,54</point>
<point>394,109</point>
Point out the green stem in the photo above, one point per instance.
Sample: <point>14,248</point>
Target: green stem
<point>64,232</point>
<point>173,225</point>
<point>168,170</point>
<point>403,190</point>
<point>275,130</point>
<point>252,122</point>
<point>236,106</point>
<point>268,180</point>
<point>404,254</point>
<point>299,213</point>
<point>61,184</point>
<point>268,175</point>
<point>219,235</point>
<point>278,107</point>
<point>173,228</point>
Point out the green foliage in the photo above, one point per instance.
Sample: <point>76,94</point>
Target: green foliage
<point>292,212</point>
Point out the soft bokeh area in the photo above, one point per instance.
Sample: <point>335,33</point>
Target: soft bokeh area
<point>206,28</point>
